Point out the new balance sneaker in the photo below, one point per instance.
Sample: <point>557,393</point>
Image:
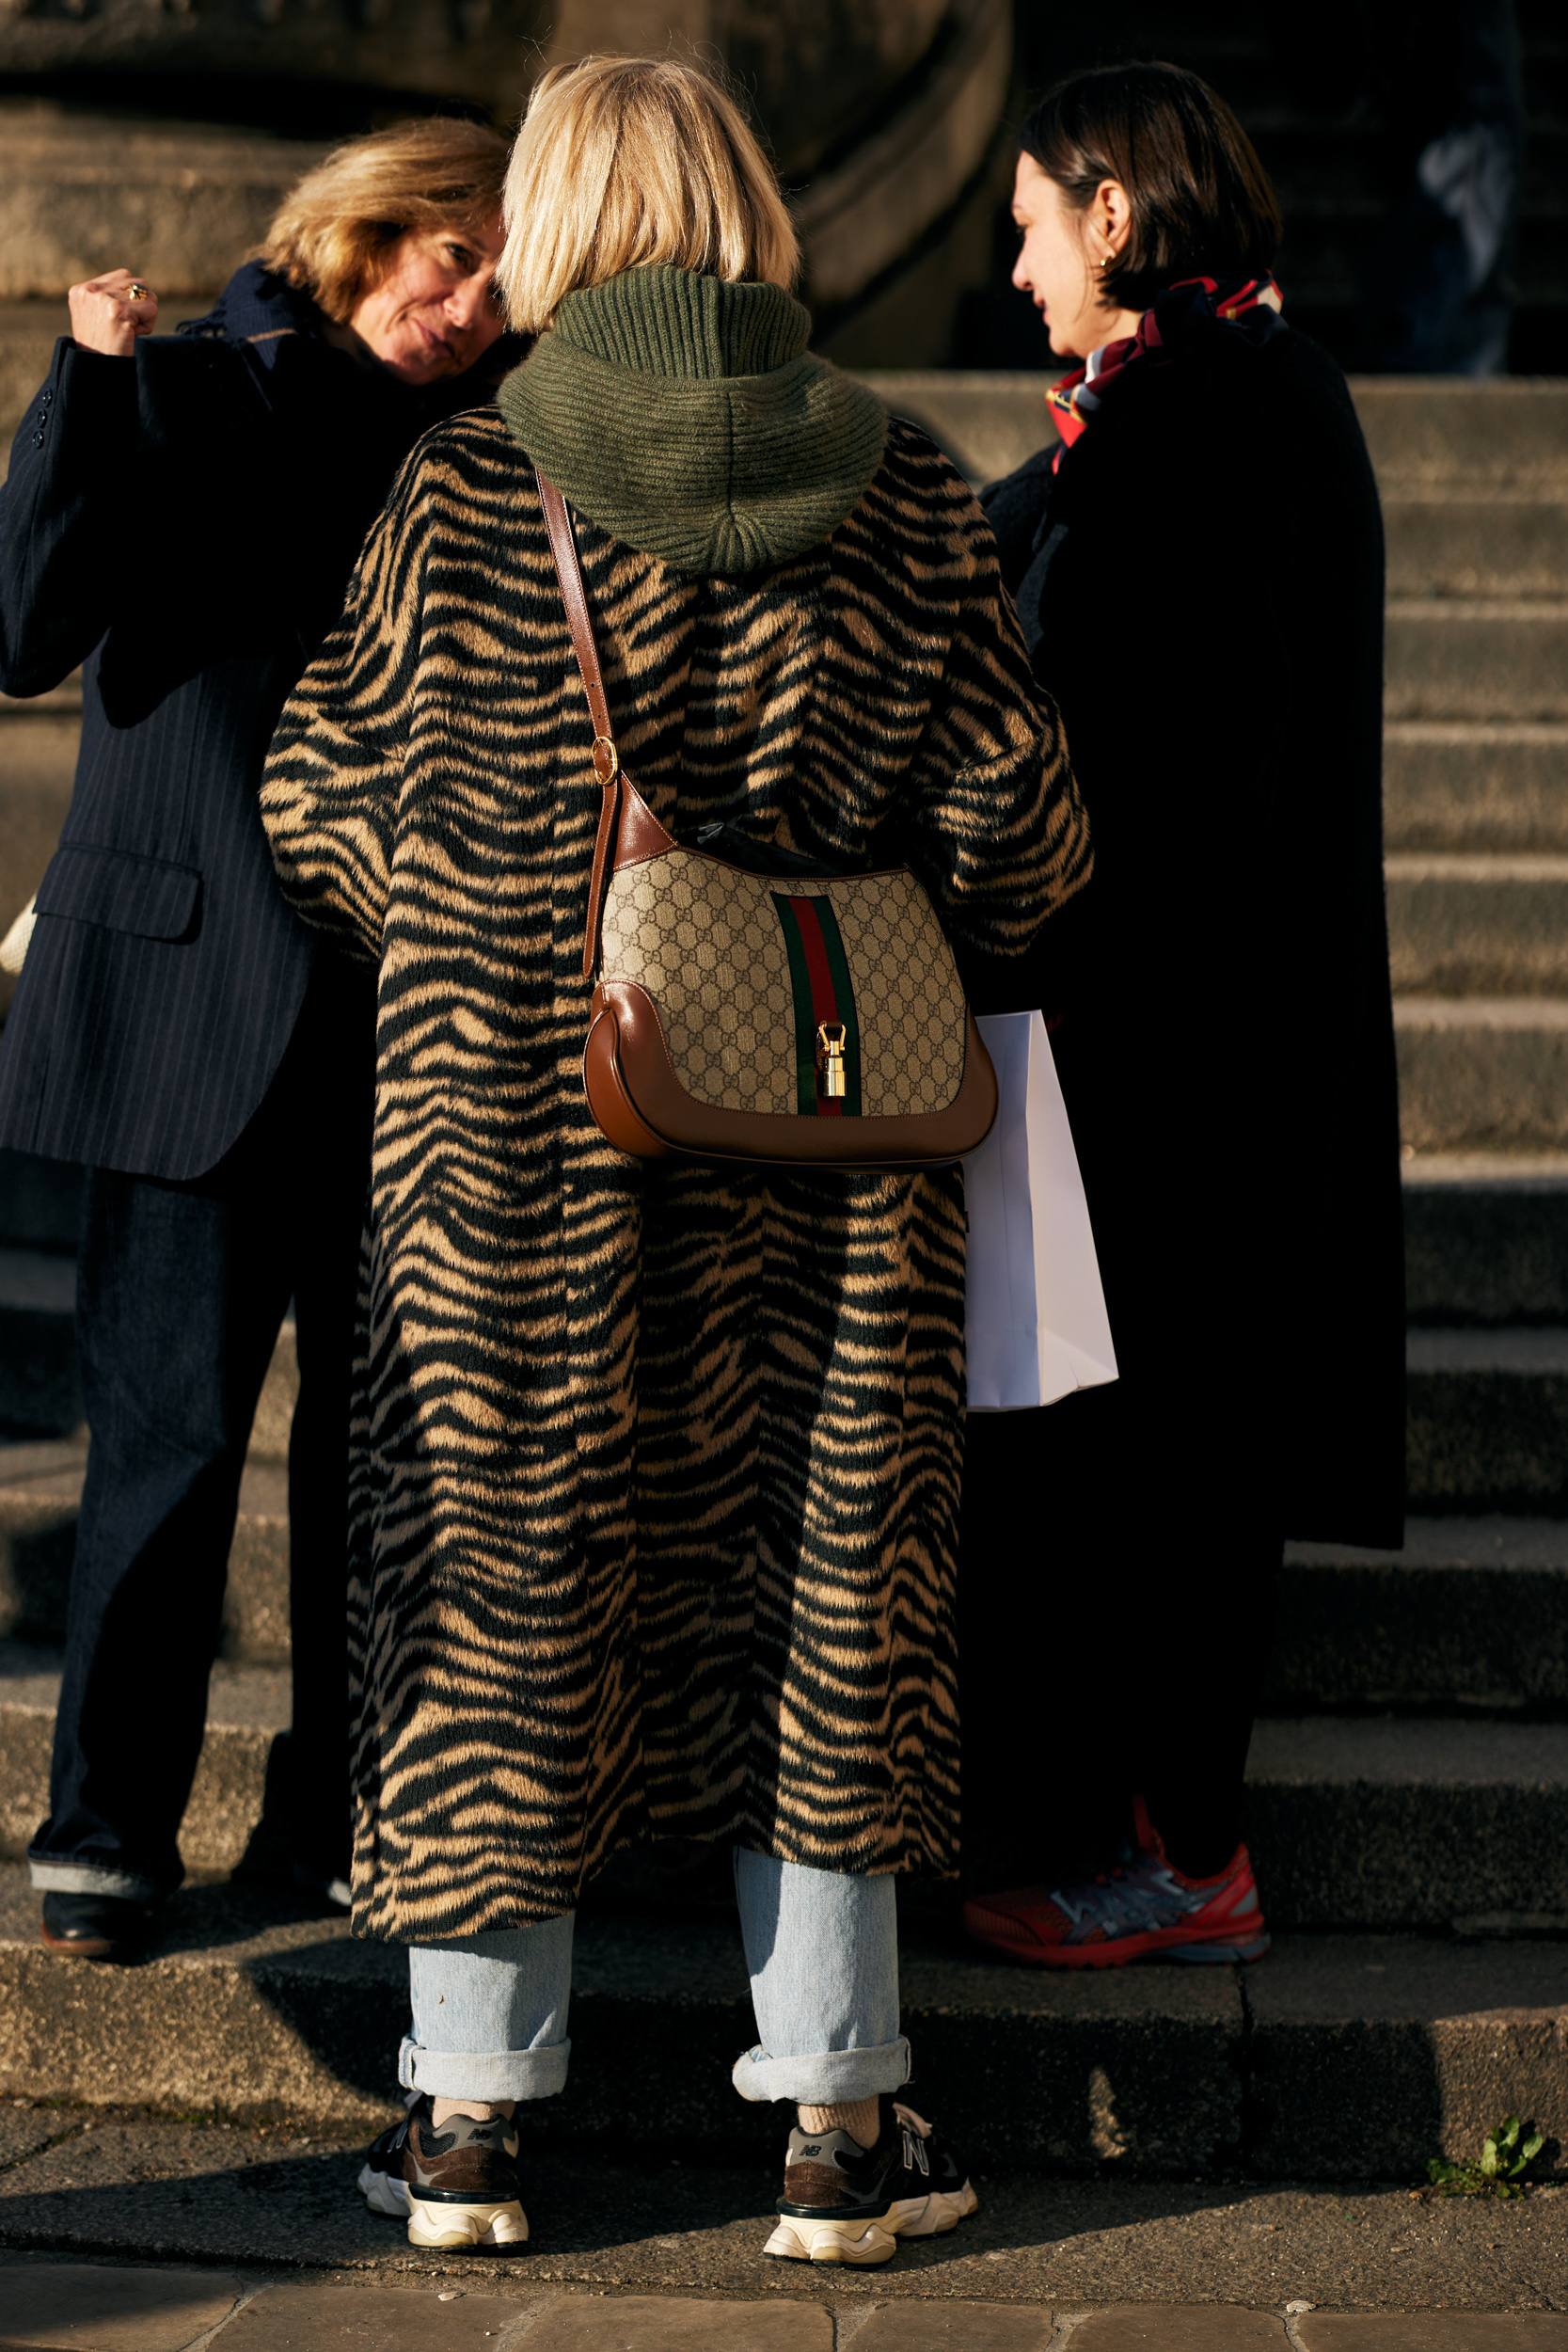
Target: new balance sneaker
<point>455,2186</point>
<point>845,2204</point>
<point>1144,1908</point>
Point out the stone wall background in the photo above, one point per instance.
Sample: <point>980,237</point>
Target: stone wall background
<point>161,137</point>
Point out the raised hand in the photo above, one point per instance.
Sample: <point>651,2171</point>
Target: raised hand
<point>107,313</point>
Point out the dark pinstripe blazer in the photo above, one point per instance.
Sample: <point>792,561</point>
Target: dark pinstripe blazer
<point>183,525</point>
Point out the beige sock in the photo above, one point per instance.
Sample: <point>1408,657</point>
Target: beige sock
<point>478,2110</point>
<point>860,2118</point>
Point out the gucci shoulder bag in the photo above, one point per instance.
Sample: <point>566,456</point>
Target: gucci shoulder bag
<point>749,1005</point>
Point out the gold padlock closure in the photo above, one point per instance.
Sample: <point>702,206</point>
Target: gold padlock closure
<point>830,1040</point>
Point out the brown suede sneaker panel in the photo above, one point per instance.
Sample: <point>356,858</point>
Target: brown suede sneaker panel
<point>465,2158</point>
<point>814,2185</point>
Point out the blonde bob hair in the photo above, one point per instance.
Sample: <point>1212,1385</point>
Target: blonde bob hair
<point>624,162</point>
<point>334,235</point>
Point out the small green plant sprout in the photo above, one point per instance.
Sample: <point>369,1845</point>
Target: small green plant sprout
<point>1498,2171</point>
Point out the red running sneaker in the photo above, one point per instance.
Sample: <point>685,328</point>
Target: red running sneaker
<point>1143,1908</point>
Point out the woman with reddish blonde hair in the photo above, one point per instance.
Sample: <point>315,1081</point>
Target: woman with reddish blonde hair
<point>181,519</point>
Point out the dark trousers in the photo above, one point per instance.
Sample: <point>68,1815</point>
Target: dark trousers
<point>182,1289</point>
<point>1118,1588</point>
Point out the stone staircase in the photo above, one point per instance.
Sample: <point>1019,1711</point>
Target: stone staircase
<point>1408,1784</point>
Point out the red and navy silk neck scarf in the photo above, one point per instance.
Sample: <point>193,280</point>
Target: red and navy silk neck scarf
<point>1072,402</point>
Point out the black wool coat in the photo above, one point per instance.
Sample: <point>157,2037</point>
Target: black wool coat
<point>183,524</point>
<point>1201,591</point>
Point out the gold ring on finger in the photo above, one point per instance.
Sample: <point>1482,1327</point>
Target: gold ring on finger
<point>138,292</point>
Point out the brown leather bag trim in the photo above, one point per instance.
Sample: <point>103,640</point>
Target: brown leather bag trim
<point>606,1097</point>
<point>643,1108</point>
<point>642,836</point>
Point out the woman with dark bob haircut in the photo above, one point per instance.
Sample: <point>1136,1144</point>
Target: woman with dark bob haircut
<point>1198,562</point>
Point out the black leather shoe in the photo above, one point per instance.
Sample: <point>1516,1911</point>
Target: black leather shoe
<point>94,1927</point>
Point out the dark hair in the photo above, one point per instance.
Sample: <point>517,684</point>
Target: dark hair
<point>1202,206</point>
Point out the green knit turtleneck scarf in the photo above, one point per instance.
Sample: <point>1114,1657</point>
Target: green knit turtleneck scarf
<point>686,418</point>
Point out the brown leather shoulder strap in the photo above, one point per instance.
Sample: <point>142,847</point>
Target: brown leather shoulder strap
<point>568,571</point>
<point>607,762</point>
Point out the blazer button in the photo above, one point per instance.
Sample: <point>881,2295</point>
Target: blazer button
<point>37,440</point>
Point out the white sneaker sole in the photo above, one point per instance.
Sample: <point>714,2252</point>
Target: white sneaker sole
<point>466,2225</point>
<point>384,2192</point>
<point>862,2243</point>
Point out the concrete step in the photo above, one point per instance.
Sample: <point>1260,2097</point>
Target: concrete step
<point>1488,1413</point>
<point>246,1707</point>
<point>1452,543</point>
<point>987,421</point>
<point>1486,1423</point>
<point>1460,464</point>
<point>1392,2040</point>
<point>1376,2050</point>
<point>1471,1616</point>
<point>1432,1627</point>
<point>1408,1822</point>
<point>1449,784</point>
<point>1365,1821</point>
<point>41,1488</point>
<point>1482,1073</point>
<point>1486,1238</point>
<point>1478,1074</point>
<point>1463,658</point>
<point>1470,924</point>
<point>62,701</point>
<point>89,192</point>
<point>1476,784</point>
<point>1425,434</point>
<point>1509,433</point>
<point>39,1390</point>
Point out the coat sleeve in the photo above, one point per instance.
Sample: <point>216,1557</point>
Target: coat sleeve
<point>330,791</point>
<point>1014,507</point>
<point>69,519</point>
<point>997,829</point>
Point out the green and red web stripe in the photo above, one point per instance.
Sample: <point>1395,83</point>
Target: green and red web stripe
<point>819,977</point>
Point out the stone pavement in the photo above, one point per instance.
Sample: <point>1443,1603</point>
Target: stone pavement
<point>79,2307</point>
<point>122,2231</point>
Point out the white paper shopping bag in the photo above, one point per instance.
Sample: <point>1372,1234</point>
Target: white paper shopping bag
<point>1035,1314</point>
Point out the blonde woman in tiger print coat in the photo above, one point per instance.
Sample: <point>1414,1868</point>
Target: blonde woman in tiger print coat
<point>655,1471</point>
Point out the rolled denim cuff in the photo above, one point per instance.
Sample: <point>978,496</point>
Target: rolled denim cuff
<point>823,2081</point>
<point>485,2074</point>
<point>53,1877</point>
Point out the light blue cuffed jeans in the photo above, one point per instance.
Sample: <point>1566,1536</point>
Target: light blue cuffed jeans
<point>822,1948</point>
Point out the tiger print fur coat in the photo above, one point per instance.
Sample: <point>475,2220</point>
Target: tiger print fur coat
<point>655,1468</point>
